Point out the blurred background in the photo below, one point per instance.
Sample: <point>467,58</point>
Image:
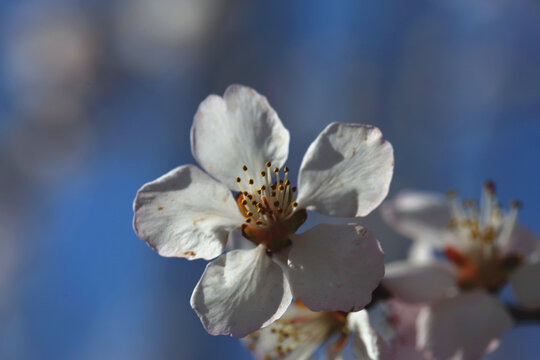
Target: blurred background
<point>97,98</point>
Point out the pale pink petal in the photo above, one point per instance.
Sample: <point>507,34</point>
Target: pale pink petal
<point>334,267</point>
<point>295,336</point>
<point>185,213</point>
<point>367,342</point>
<point>525,283</point>
<point>462,327</point>
<point>346,171</point>
<point>419,283</point>
<point>238,129</point>
<point>420,216</point>
<point>240,292</point>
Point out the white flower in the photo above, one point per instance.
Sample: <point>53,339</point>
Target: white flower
<point>484,250</point>
<point>300,332</point>
<point>240,141</point>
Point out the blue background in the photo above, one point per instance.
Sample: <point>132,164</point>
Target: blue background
<point>97,98</point>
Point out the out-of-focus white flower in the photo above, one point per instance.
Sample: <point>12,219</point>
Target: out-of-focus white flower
<point>240,141</point>
<point>300,332</point>
<point>485,250</point>
<point>161,36</point>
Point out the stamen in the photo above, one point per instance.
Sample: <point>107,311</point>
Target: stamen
<point>244,168</point>
<point>238,179</point>
<point>268,164</point>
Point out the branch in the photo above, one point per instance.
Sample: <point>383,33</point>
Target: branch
<point>521,315</point>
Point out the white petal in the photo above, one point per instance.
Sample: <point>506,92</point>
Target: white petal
<point>346,171</point>
<point>185,213</point>
<point>367,342</point>
<point>239,129</point>
<point>237,241</point>
<point>335,267</point>
<point>295,336</point>
<point>523,242</point>
<point>421,252</point>
<point>463,326</point>
<point>419,215</point>
<point>240,292</point>
<point>419,283</point>
<point>526,286</point>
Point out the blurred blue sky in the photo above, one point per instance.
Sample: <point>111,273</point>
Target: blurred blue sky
<point>97,98</point>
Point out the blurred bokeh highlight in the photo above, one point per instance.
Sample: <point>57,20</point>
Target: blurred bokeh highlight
<point>97,98</point>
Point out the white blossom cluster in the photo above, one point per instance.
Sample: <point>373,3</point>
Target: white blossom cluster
<point>287,294</point>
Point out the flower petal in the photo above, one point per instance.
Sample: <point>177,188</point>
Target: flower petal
<point>295,336</point>
<point>367,342</point>
<point>522,241</point>
<point>185,213</point>
<point>419,283</point>
<point>524,283</point>
<point>239,129</point>
<point>462,327</point>
<point>240,292</point>
<point>334,267</point>
<point>419,215</point>
<point>346,171</point>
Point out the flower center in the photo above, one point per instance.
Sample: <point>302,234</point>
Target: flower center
<point>267,202</point>
<point>481,230</point>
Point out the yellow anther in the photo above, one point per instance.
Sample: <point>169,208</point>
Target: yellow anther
<point>268,164</point>
<point>263,173</point>
<point>259,191</point>
<point>281,187</point>
<point>287,183</point>
<point>244,168</point>
<point>516,204</point>
<point>285,169</point>
<point>245,193</point>
<point>273,187</point>
<point>273,194</point>
<point>248,220</point>
<point>263,187</point>
<point>293,189</point>
<point>249,213</point>
<point>295,204</point>
<point>238,179</point>
<point>251,181</point>
<point>276,169</point>
<point>259,222</point>
<point>244,202</point>
<point>276,203</point>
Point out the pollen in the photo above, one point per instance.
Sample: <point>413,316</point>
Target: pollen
<point>267,200</point>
